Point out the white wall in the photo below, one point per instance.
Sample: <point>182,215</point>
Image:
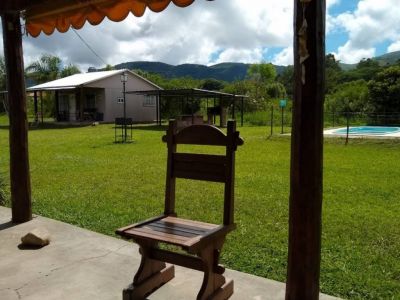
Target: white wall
<point>134,103</point>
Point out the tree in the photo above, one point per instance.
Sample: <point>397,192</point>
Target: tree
<point>276,90</point>
<point>333,73</point>
<point>259,76</point>
<point>263,72</point>
<point>212,85</point>
<point>45,69</point>
<point>242,87</point>
<point>385,90</point>
<point>109,67</point>
<point>49,67</point>
<point>286,78</point>
<point>366,69</point>
<point>349,97</point>
<point>69,70</point>
<point>3,83</point>
<point>2,74</point>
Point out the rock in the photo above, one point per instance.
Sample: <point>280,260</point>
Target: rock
<point>36,237</point>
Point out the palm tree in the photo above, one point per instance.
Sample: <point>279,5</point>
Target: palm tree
<point>2,74</point>
<point>48,68</point>
<point>45,69</point>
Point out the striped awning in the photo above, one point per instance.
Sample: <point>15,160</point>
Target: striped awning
<point>46,16</point>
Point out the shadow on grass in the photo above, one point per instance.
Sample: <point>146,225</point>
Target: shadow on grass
<point>46,126</point>
<point>50,126</point>
<point>151,127</point>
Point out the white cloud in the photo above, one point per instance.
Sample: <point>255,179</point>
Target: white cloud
<point>242,55</point>
<point>370,24</point>
<point>394,47</point>
<point>284,58</point>
<point>330,3</point>
<point>349,54</point>
<point>238,30</point>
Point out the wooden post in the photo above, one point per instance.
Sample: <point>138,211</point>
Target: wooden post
<point>56,106</point>
<point>241,113</point>
<point>156,108</point>
<point>306,152</point>
<point>21,206</point>
<point>81,101</point>
<point>233,107</point>
<point>35,106</point>
<point>41,106</point>
<point>159,109</point>
<point>272,120</point>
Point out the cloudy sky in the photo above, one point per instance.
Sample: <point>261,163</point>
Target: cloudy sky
<point>225,31</point>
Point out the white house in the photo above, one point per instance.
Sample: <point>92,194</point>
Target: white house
<point>99,96</point>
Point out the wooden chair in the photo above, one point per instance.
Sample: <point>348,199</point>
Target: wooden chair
<point>202,241</point>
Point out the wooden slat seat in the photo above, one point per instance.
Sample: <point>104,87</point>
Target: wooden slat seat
<point>202,241</point>
<point>175,231</point>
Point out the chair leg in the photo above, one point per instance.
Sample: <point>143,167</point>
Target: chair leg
<point>149,277</point>
<point>214,285</point>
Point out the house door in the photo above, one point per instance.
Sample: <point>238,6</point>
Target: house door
<point>72,107</point>
<point>63,108</point>
<point>89,109</point>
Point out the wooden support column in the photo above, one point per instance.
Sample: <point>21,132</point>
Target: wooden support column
<point>21,205</point>
<point>159,108</point>
<point>81,101</point>
<point>41,106</point>
<point>306,152</point>
<point>56,108</point>
<point>35,106</point>
<point>241,112</point>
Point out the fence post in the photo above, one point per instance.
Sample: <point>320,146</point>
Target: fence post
<point>282,120</point>
<point>272,119</point>
<point>348,126</point>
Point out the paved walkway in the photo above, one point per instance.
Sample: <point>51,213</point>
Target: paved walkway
<point>80,265</point>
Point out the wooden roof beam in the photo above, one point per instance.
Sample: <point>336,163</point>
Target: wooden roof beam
<point>8,6</point>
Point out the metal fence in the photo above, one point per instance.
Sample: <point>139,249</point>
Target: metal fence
<point>280,120</point>
<point>337,119</point>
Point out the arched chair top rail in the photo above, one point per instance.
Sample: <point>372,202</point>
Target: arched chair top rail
<point>205,135</point>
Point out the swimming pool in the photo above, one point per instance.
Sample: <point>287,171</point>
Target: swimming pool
<point>366,131</point>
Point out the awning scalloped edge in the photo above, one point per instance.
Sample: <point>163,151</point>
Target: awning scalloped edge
<point>75,14</point>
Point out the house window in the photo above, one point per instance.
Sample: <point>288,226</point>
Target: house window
<point>120,100</point>
<point>149,100</point>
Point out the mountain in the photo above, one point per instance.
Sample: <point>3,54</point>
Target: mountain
<point>384,60</point>
<point>223,71</point>
<point>388,58</point>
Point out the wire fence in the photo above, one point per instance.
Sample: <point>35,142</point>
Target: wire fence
<point>280,120</point>
<point>337,119</point>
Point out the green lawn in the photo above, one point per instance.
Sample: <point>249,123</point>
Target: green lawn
<point>81,177</point>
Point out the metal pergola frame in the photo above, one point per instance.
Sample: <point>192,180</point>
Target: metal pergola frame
<point>191,95</point>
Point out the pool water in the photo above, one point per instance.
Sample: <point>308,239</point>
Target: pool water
<point>368,130</point>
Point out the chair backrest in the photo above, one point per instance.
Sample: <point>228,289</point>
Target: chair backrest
<point>123,121</point>
<point>216,168</point>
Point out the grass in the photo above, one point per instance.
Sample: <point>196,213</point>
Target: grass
<point>81,177</point>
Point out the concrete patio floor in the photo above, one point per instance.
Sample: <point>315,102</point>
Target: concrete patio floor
<point>80,264</point>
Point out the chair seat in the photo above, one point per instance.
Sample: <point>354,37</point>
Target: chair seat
<point>176,231</point>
